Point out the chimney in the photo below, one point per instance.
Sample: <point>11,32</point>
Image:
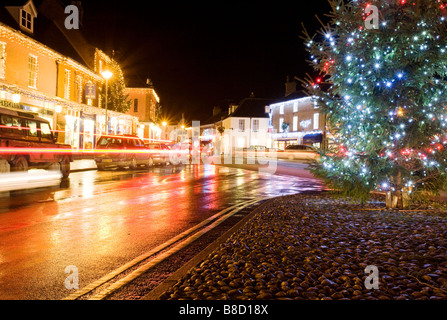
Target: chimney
<point>290,86</point>
<point>216,111</point>
<point>232,108</point>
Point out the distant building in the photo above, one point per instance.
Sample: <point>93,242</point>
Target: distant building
<point>246,124</point>
<point>296,119</point>
<point>46,69</point>
<point>144,103</point>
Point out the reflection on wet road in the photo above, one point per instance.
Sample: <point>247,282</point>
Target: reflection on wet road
<point>98,221</point>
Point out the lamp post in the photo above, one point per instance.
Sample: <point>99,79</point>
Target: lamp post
<point>164,135</point>
<point>107,75</point>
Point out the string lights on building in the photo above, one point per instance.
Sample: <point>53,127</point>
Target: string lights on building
<point>29,97</point>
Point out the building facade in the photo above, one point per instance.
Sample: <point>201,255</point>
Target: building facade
<point>296,119</point>
<point>35,77</point>
<point>144,104</point>
<point>246,125</point>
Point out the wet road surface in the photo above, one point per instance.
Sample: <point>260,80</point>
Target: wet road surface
<point>97,221</point>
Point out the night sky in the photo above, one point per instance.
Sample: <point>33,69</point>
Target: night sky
<point>203,55</point>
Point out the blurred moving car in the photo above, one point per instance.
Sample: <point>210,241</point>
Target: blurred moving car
<point>122,151</point>
<point>27,142</point>
<point>298,152</point>
<point>206,148</point>
<point>257,148</point>
<point>181,153</point>
<point>253,152</point>
<point>159,152</point>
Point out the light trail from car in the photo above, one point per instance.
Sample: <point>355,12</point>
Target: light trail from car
<point>10,181</point>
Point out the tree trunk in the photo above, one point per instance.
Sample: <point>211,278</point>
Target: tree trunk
<point>397,199</point>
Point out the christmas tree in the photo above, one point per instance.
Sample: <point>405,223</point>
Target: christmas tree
<point>117,99</point>
<point>382,83</point>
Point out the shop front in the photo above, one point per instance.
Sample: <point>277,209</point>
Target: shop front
<point>100,125</point>
<point>72,128</point>
<point>75,124</point>
<point>313,139</point>
<point>284,139</point>
<point>43,108</point>
<point>88,131</point>
<point>119,124</point>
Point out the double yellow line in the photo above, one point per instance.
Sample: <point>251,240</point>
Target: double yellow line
<point>191,235</point>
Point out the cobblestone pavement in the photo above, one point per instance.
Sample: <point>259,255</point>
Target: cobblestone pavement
<point>315,246</point>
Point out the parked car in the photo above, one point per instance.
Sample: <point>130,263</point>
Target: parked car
<point>27,136</point>
<point>122,151</point>
<point>159,152</point>
<point>298,152</point>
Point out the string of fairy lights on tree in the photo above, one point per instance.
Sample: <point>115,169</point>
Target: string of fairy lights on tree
<point>384,92</point>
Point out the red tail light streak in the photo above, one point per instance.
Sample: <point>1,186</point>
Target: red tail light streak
<point>7,150</point>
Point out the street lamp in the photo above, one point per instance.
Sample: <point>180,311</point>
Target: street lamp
<point>107,75</point>
<point>164,134</point>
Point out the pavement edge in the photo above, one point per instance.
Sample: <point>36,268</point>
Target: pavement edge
<point>201,256</point>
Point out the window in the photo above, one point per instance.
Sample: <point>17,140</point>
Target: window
<point>316,121</point>
<point>106,141</point>
<point>281,121</point>
<point>131,142</point>
<point>80,87</point>
<point>17,123</point>
<point>241,142</point>
<point>135,105</point>
<point>26,21</point>
<point>255,125</point>
<point>32,128</point>
<point>295,123</point>
<point>2,60</point>
<point>241,125</point>
<point>152,113</point>
<point>45,132</point>
<point>139,143</point>
<point>281,109</point>
<point>295,106</point>
<point>67,84</point>
<point>6,122</point>
<point>154,146</point>
<point>32,71</point>
<point>11,125</point>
